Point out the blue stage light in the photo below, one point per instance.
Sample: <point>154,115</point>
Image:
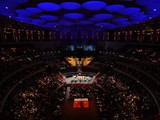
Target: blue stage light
<point>48,17</point>
<point>74,15</point>
<point>70,5</point>
<point>114,8</point>
<point>47,6</point>
<point>103,16</point>
<point>94,5</point>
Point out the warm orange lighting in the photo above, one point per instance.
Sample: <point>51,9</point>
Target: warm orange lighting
<point>76,62</point>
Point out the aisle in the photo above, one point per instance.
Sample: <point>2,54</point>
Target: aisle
<point>71,113</point>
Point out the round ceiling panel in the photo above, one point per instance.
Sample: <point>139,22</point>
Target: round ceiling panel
<point>34,10</point>
<point>47,6</point>
<point>90,12</point>
<point>48,17</point>
<point>23,19</point>
<point>70,5</point>
<point>114,8</point>
<point>74,15</point>
<point>94,5</point>
<point>129,11</point>
<point>21,12</point>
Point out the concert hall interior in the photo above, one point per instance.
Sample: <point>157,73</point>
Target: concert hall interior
<point>79,59</point>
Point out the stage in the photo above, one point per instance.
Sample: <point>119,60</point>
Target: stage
<point>79,80</point>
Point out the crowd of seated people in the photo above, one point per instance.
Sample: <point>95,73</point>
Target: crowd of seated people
<point>151,84</point>
<point>17,78</point>
<point>127,99</point>
<point>19,61</point>
<point>117,96</point>
<point>41,98</point>
<point>136,62</point>
<point>150,55</point>
<point>145,58</point>
<point>13,58</point>
<point>81,92</point>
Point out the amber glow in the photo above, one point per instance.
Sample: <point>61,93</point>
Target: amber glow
<point>75,61</point>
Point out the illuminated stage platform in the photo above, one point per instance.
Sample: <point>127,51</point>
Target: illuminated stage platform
<point>81,103</point>
<point>79,80</point>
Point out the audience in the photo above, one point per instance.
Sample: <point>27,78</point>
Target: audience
<point>42,98</point>
<point>37,93</point>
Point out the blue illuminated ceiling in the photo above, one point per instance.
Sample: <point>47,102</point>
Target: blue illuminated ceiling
<point>70,5</point>
<point>74,15</point>
<point>94,5</point>
<point>108,14</point>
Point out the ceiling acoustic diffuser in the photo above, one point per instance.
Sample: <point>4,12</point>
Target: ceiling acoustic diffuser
<point>106,14</point>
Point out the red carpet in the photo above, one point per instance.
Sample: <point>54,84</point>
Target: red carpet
<point>71,113</point>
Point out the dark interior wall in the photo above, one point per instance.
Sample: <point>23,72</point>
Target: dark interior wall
<point>49,44</point>
<point>57,45</point>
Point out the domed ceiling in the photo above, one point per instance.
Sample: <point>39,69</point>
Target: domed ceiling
<point>109,14</point>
